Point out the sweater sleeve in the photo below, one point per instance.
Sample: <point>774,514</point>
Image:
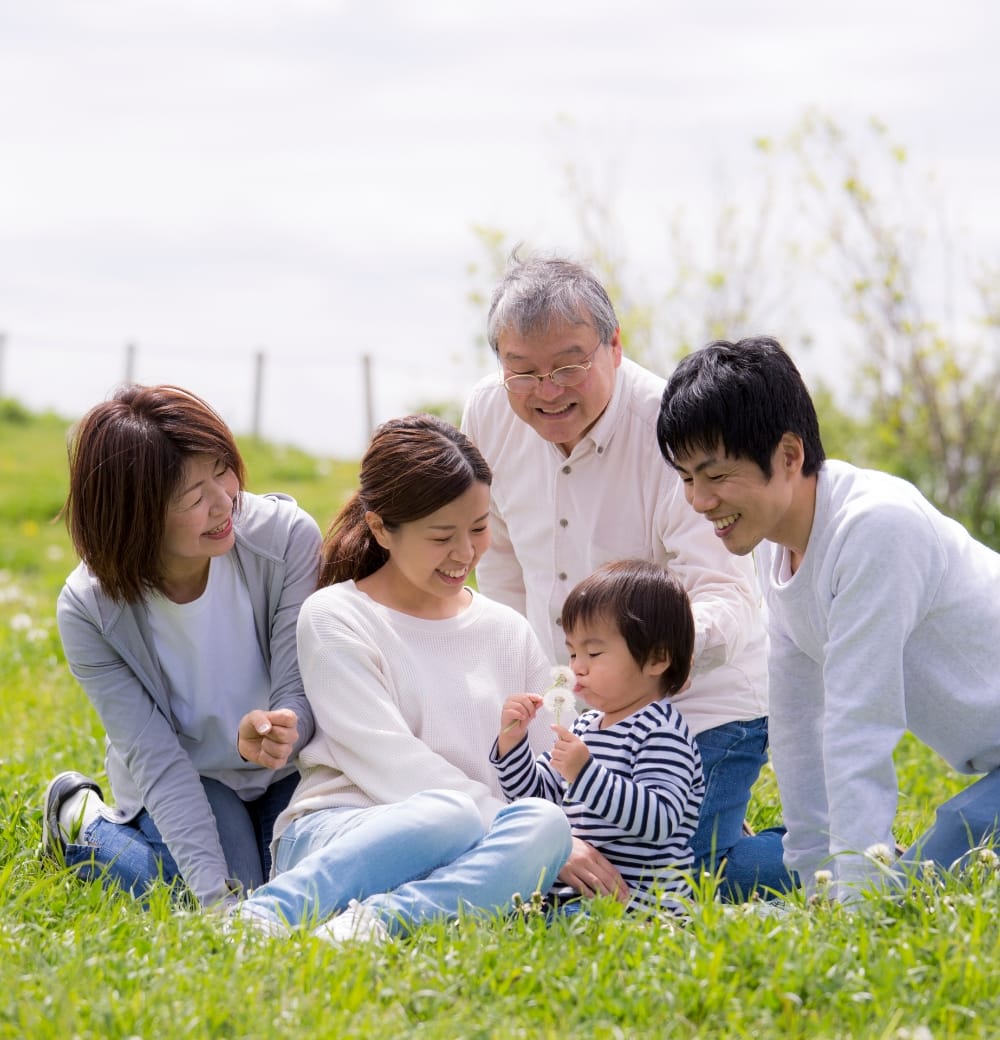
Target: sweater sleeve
<point>145,740</point>
<point>521,775</point>
<point>796,731</point>
<point>301,570</point>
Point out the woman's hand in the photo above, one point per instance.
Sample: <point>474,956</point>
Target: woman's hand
<point>267,737</point>
<point>591,874</point>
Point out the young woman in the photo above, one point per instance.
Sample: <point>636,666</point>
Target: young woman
<point>180,625</point>
<point>399,818</point>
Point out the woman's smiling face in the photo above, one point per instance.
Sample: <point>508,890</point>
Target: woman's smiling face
<point>430,559</point>
<point>199,522</point>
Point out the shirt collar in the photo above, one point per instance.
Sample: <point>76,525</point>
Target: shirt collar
<point>600,434</point>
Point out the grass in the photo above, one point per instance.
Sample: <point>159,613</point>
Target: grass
<point>80,962</point>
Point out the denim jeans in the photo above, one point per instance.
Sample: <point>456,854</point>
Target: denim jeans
<point>732,756</point>
<point>133,855</point>
<point>428,857</point>
<point>969,819</point>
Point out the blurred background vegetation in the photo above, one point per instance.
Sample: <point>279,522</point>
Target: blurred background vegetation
<point>846,243</point>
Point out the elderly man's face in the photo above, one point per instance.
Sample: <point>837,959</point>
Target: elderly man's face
<point>561,414</point>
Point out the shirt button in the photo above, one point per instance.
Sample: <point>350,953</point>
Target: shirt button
<point>567,469</point>
<point>564,523</point>
<point>600,451</point>
<point>562,575</point>
<point>559,621</point>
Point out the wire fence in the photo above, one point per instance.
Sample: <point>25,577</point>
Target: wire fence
<point>326,404</point>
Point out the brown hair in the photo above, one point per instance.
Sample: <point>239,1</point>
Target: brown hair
<point>126,461</point>
<point>413,466</point>
<point>647,605</point>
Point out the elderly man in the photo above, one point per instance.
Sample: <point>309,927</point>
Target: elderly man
<point>570,432</point>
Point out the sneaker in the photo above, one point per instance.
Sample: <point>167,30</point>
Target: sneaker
<point>57,830</point>
<point>356,924</point>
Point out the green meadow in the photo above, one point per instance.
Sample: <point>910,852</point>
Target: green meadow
<point>78,962</point>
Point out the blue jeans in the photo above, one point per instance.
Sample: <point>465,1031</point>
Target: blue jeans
<point>970,819</point>
<point>133,855</point>
<point>428,857</point>
<point>732,756</point>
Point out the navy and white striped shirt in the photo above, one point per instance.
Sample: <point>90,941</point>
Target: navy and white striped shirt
<point>636,799</point>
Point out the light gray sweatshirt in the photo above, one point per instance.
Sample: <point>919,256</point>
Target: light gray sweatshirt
<point>891,623</point>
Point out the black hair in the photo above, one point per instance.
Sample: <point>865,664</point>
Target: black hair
<point>647,605</point>
<point>746,395</point>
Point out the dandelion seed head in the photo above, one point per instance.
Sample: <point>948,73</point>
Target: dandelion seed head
<point>562,676</point>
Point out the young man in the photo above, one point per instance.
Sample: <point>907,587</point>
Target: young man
<point>569,431</point>
<point>882,613</point>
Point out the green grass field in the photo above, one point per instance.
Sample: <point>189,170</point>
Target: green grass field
<point>78,962</point>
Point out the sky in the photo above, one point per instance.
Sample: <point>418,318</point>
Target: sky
<point>209,180</point>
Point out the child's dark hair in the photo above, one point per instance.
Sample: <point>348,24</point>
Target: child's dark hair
<point>647,605</point>
<point>413,466</point>
<point>744,395</point>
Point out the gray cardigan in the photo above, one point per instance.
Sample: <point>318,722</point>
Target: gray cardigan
<point>110,651</point>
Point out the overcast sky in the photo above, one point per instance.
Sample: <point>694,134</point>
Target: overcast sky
<point>208,178</point>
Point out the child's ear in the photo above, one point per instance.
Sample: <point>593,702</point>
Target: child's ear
<point>657,664</point>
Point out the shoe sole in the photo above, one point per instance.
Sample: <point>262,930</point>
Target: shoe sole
<point>61,787</point>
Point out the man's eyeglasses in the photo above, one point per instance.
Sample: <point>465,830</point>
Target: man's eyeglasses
<point>565,375</point>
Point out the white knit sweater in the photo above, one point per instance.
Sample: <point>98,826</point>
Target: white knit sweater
<point>404,704</point>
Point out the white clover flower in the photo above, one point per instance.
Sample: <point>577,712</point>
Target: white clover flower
<point>987,859</point>
<point>559,696</point>
<point>823,878</point>
<point>20,623</point>
<point>880,853</point>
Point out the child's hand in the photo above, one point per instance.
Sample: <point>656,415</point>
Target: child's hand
<point>517,712</point>
<point>569,754</point>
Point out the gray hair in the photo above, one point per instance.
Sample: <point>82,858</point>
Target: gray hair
<point>540,290</point>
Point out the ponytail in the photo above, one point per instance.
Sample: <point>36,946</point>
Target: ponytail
<point>349,551</point>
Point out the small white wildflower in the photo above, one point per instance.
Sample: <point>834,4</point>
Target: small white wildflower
<point>559,696</point>
<point>823,878</point>
<point>880,854</point>
<point>987,859</point>
<point>20,623</point>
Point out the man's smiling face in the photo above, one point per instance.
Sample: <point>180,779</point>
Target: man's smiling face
<point>561,414</point>
<point>743,505</point>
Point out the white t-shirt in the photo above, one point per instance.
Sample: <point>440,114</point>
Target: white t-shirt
<point>215,674</point>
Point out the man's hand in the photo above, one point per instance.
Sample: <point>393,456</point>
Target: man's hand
<point>591,874</point>
<point>268,737</point>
